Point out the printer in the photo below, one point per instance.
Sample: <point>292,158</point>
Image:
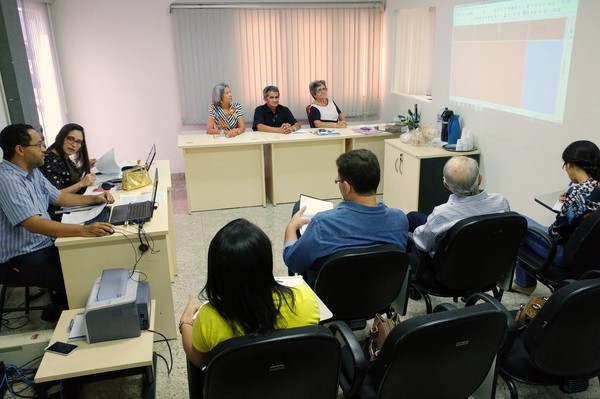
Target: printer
<point>118,306</point>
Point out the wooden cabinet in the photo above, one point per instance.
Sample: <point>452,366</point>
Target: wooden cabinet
<point>413,176</point>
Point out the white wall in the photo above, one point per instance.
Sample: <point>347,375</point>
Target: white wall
<point>520,157</point>
<point>118,68</point>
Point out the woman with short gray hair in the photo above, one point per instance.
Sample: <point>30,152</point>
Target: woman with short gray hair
<point>323,112</point>
<point>225,117</point>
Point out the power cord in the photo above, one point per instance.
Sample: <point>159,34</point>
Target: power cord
<point>169,368</point>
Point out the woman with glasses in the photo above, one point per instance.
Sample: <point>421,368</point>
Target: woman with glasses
<point>323,112</point>
<point>67,164</point>
<point>581,162</point>
<point>225,117</point>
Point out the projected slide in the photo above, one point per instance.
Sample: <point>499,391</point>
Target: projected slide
<point>513,55</point>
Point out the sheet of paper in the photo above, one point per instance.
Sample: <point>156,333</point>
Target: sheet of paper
<point>82,216</point>
<point>107,164</point>
<point>299,131</point>
<point>558,206</point>
<point>290,281</point>
<point>326,132</point>
<point>77,329</point>
<point>313,206</point>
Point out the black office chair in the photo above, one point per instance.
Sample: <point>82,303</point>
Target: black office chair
<point>301,362</point>
<point>6,282</point>
<point>580,252</point>
<point>560,346</point>
<point>473,256</point>
<point>447,354</point>
<point>357,283</point>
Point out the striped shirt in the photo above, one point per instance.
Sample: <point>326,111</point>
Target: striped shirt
<point>225,122</point>
<point>22,195</point>
<point>428,236</point>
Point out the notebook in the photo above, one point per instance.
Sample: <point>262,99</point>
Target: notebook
<point>137,211</point>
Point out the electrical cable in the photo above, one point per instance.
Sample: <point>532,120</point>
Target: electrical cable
<point>170,352</point>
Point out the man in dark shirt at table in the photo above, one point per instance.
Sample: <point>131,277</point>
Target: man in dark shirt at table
<point>272,117</point>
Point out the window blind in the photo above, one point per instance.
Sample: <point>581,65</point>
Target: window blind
<point>250,48</point>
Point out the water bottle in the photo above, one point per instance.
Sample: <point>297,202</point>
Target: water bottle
<point>438,121</point>
<point>453,129</point>
<point>446,115</point>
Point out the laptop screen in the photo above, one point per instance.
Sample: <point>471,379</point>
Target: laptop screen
<point>151,156</point>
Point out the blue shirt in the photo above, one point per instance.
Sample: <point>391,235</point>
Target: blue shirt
<point>22,195</point>
<point>349,225</point>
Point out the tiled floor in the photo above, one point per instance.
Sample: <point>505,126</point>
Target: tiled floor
<point>193,234</point>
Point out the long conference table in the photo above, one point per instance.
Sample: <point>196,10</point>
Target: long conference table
<point>84,259</point>
<point>242,171</point>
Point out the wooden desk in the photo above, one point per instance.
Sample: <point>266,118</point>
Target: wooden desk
<point>302,164</point>
<point>223,172</point>
<point>102,360</point>
<point>282,166</point>
<point>373,142</point>
<point>83,259</point>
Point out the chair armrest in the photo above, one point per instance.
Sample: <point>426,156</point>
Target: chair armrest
<point>512,327</point>
<point>360,362</point>
<point>442,307</point>
<point>529,259</point>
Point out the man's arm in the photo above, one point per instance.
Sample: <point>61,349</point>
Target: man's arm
<point>51,228</point>
<point>69,199</point>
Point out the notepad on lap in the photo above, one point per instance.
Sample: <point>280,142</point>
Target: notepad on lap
<point>313,206</point>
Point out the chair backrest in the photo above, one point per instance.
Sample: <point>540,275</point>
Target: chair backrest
<point>477,251</point>
<point>301,362</point>
<point>446,354</point>
<point>359,282</point>
<point>563,338</point>
<point>312,124</point>
<point>581,249</point>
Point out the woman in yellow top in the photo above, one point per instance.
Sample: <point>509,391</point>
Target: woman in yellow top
<point>243,296</point>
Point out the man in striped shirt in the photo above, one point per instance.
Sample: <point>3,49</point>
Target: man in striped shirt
<point>27,251</point>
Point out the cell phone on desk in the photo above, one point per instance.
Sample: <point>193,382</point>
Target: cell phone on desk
<point>61,348</point>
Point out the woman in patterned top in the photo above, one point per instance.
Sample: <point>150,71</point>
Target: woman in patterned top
<point>67,164</point>
<point>582,164</point>
<point>225,117</point>
<point>243,296</point>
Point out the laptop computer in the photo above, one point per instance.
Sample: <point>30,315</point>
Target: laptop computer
<point>136,212</point>
<point>149,160</point>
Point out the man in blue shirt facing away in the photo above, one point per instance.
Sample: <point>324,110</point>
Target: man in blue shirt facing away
<point>359,221</point>
<point>27,252</point>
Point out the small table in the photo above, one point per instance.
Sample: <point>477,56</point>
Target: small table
<point>292,281</point>
<point>98,361</point>
<point>549,200</point>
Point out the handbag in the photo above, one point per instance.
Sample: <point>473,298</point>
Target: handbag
<point>529,310</point>
<point>135,178</point>
<point>379,332</point>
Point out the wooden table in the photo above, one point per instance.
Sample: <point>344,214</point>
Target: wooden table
<point>83,259</point>
<point>98,361</point>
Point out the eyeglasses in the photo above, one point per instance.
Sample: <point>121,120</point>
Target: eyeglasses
<point>38,145</point>
<point>73,140</point>
<point>322,89</point>
<point>336,181</point>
